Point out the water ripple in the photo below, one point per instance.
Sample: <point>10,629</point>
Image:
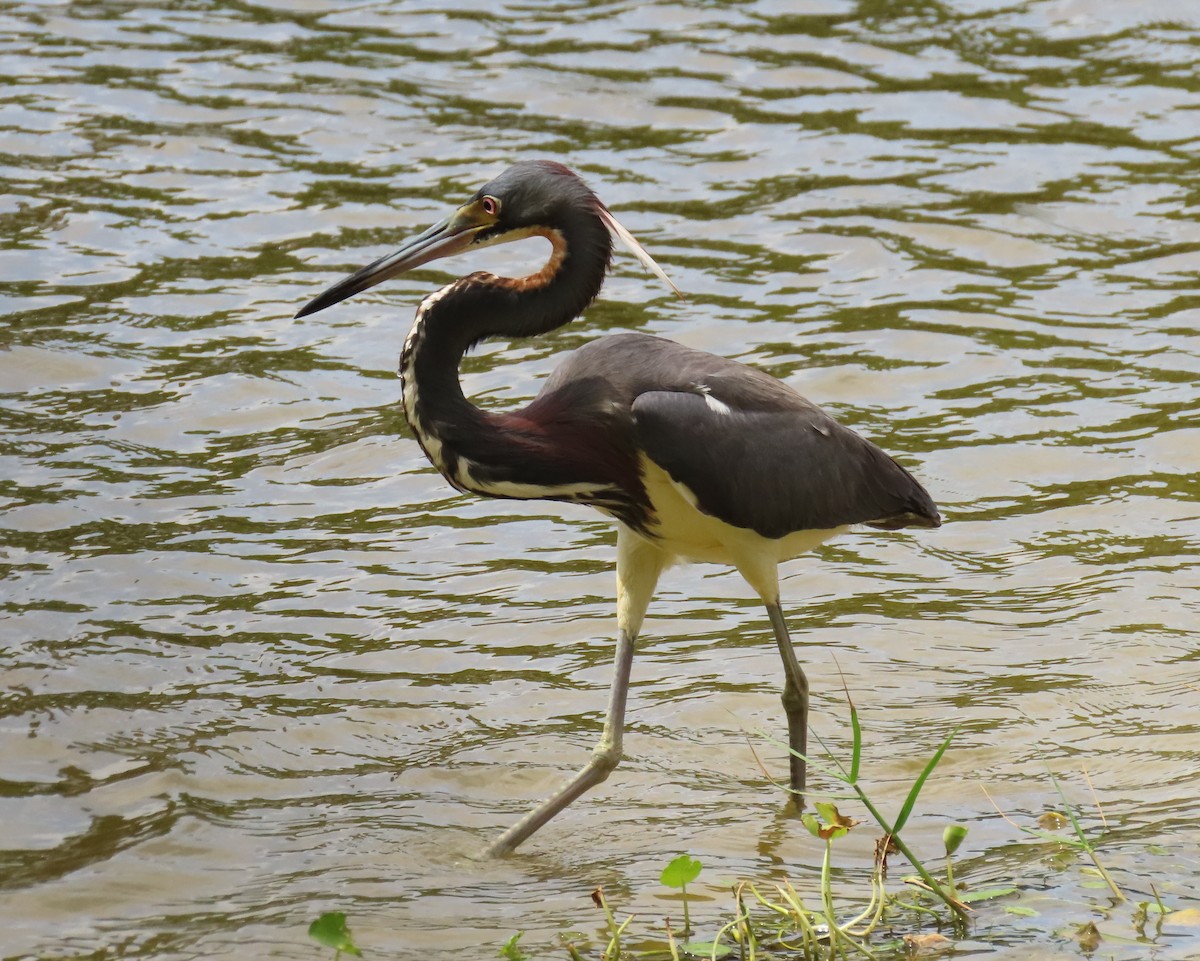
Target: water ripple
<point>258,655</point>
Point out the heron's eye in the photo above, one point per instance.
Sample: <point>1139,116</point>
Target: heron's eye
<point>490,205</point>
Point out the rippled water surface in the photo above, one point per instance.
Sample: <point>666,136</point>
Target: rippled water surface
<point>260,662</point>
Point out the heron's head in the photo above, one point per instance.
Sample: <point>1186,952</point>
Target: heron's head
<point>534,197</point>
<point>530,196</point>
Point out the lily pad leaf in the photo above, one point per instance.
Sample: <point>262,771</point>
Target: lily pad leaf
<point>985,894</point>
<point>330,930</point>
<point>704,949</point>
<point>681,871</point>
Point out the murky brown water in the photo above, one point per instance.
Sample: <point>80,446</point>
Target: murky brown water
<point>260,662</point>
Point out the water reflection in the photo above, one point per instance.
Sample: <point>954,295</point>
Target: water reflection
<point>259,661</point>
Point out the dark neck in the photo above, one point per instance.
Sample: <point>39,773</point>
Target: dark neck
<point>557,448</point>
<point>481,306</point>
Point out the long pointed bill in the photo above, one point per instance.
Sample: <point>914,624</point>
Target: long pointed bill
<point>441,240</point>
<point>638,250</point>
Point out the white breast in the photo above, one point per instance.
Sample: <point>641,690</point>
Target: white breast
<point>684,531</point>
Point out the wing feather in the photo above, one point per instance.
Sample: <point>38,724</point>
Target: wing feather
<point>775,471</point>
<point>754,452</point>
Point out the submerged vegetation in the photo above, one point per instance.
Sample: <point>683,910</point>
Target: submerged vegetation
<point>330,930</point>
<point>849,913</point>
<point>776,920</point>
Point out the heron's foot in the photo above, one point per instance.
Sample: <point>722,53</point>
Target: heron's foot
<point>605,758</point>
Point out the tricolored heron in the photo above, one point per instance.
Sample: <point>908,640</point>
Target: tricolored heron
<point>696,457</point>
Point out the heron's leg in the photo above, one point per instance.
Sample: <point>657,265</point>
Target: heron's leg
<point>795,695</point>
<point>638,565</point>
<point>762,573</point>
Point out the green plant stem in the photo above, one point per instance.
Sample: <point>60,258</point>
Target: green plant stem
<point>1162,908</point>
<point>959,909</point>
<point>795,912</point>
<point>751,941</point>
<point>874,908</point>
<point>721,931</point>
<point>674,948</point>
<point>1112,885</point>
<point>1083,838</point>
<point>613,951</point>
<point>839,936</point>
<point>827,885</point>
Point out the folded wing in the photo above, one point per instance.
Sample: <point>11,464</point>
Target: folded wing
<point>777,468</point>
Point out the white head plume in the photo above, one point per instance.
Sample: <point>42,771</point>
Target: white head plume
<point>638,250</point>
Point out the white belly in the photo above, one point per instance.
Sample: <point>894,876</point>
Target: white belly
<point>683,531</point>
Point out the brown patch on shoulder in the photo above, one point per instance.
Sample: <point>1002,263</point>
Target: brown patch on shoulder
<point>562,440</point>
<point>540,279</point>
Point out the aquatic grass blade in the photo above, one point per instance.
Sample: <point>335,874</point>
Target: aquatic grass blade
<point>855,729</point>
<point>837,775</point>
<point>1069,808</point>
<point>915,790</point>
<point>856,746</point>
